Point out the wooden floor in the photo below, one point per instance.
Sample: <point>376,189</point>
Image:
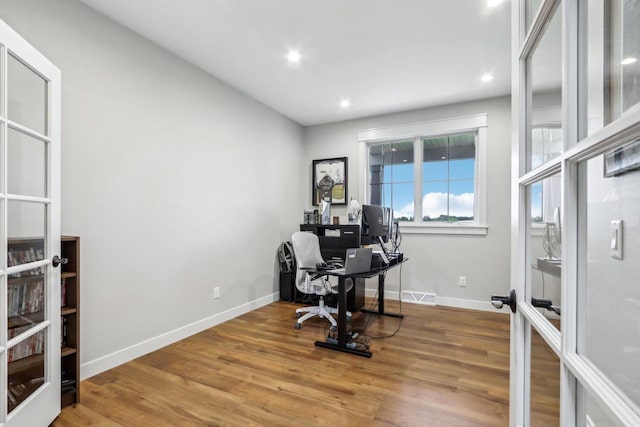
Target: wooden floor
<point>445,367</point>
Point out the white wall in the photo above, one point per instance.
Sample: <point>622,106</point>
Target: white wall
<point>436,261</point>
<point>175,182</point>
<point>609,299</point>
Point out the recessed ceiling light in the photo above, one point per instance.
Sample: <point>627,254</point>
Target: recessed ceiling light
<point>294,56</point>
<point>443,158</point>
<point>486,78</point>
<point>345,103</point>
<point>627,61</point>
<point>494,3</point>
<point>405,160</point>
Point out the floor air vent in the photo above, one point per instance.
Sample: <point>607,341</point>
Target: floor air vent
<point>419,297</point>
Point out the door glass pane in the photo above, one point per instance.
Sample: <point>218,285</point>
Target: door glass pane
<point>27,165</point>
<point>546,143</point>
<point>27,93</point>
<point>609,251</point>
<point>611,78</point>
<point>545,87</point>
<point>544,247</point>
<point>591,413</point>
<point>26,227</point>
<point>544,384</point>
<point>391,178</point>
<point>26,368</point>
<point>25,300</point>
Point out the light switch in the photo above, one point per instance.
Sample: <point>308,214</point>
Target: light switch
<point>616,239</point>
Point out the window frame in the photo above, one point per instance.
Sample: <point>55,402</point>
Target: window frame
<point>418,132</point>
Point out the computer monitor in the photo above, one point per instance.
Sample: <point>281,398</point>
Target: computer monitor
<point>375,227</point>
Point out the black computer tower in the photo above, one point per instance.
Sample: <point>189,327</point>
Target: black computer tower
<point>355,297</point>
<point>287,285</point>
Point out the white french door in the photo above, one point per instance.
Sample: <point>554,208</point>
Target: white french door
<point>575,335</point>
<point>29,234</point>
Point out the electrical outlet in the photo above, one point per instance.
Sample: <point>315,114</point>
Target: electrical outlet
<point>216,292</point>
<point>462,281</point>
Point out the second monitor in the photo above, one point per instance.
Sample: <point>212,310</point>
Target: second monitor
<point>376,224</point>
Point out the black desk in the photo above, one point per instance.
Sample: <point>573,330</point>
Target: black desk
<point>334,241</point>
<point>342,344</point>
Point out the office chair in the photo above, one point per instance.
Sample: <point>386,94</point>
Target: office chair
<point>306,249</point>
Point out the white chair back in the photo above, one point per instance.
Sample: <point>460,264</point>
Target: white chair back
<point>306,248</point>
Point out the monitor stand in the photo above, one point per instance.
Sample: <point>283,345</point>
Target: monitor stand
<point>385,253</point>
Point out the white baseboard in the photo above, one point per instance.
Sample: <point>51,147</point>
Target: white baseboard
<point>423,298</point>
<point>470,304</point>
<point>127,354</point>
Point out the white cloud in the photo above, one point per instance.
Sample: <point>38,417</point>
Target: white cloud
<point>435,204</point>
<point>406,211</point>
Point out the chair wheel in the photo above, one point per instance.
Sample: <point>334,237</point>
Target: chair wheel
<point>298,315</point>
<point>298,325</point>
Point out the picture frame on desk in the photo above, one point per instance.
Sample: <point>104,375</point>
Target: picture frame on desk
<point>329,182</point>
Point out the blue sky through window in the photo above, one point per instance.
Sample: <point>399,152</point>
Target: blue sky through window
<point>448,177</point>
<point>536,202</point>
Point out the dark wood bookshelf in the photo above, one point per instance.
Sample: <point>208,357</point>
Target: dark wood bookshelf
<point>70,318</point>
<point>25,364</point>
<point>66,351</point>
<point>67,310</point>
<point>25,319</point>
<point>24,374</point>
<point>26,241</point>
<point>13,281</point>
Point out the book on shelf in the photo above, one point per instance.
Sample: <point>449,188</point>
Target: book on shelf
<point>23,256</point>
<point>63,331</point>
<point>63,292</point>
<point>25,297</point>
<point>29,347</point>
<point>68,384</point>
<point>17,391</point>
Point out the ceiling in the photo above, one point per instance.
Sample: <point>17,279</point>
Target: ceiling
<point>382,55</point>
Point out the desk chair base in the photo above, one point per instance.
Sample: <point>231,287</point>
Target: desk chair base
<point>319,310</point>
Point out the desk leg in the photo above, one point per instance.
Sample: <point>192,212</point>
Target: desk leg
<point>380,310</point>
<point>342,344</point>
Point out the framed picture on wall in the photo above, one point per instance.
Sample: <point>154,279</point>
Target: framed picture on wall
<point>622,160</point>
<point>329,181</point>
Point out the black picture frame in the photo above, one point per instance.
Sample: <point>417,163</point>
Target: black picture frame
<point>622,160</point>
<point>329,181</point>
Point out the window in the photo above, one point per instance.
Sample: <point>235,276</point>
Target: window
<point>431,174</point>
<point>448,178</point>
<point>391,183</point>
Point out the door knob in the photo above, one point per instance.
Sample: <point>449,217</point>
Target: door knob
<point>546,304</point>
<point>499,300</point>
<point>56,260</point>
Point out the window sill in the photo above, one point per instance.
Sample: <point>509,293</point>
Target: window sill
<point>452,229</point>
